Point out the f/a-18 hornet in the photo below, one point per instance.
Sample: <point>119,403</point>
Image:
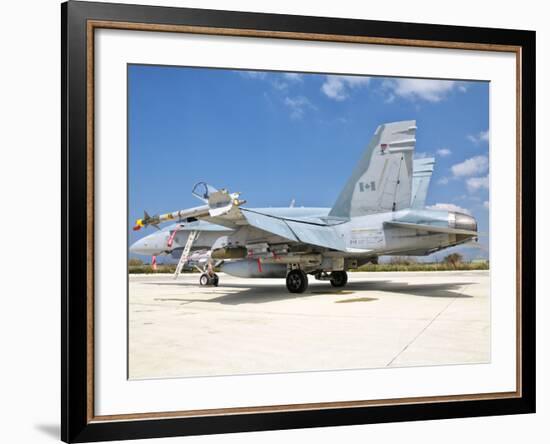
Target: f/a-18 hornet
<point>380,211</point>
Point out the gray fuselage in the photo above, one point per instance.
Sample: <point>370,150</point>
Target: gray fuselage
<point>365,237</point>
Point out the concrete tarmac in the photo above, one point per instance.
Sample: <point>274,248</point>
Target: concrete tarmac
<point>244,326</point>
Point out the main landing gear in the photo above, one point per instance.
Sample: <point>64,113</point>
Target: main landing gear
<point>296,281</point>
<point>338,278</point>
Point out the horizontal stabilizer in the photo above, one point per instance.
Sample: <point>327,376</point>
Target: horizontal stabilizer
<point>431,228</point>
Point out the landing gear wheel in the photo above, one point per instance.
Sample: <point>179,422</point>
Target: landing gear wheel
<point>296,281</point>
<point>338,278</point>
<point>207,279</point>
<point>204,279</point>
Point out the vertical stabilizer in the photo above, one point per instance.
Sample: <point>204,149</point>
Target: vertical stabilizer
<point>422,173</point>
<point>382,179</point>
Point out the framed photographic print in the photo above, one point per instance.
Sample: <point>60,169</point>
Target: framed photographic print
<point>276,221</point>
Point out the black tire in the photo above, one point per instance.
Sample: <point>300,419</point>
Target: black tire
<point>338,278</point>
<point>215,280</point>
<point>296,281</point>
<point>204,279</point>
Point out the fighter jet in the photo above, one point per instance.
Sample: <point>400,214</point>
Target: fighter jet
<point>380,211</point>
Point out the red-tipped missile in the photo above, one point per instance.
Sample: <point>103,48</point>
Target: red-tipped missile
<point>176,215</point>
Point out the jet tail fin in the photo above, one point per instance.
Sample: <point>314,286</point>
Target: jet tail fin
<point>422,174</point>
<point>382,179</point>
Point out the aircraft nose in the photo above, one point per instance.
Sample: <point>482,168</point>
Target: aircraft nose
<point>465,222</point>
<point>140,247</point>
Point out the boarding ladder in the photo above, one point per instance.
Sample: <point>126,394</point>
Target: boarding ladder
<point>185,255</point>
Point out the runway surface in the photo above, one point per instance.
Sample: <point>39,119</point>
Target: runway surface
<point>243,326</point>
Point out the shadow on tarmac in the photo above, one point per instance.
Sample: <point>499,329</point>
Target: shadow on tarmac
<point>265,293</point>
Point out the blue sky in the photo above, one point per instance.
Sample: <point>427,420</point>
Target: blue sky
<point>282,136</point>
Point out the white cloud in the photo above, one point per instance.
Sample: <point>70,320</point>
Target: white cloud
<point>474,165</point>
<point>254,74</point>
<point>482,136</point>
<point>298,106</point>
<point>274,80</point>
<point>448,207</point>
<point>295,77</point>
<point>443,152</point>
<point>423,89</point>
<point>338,87</point>
<point>486,204</point>
<point>287,79</point>
<point>477,183</point>
<point>278,81</point>
<point>470,197</point>
<point>277,84</point>
<point>443,181</point>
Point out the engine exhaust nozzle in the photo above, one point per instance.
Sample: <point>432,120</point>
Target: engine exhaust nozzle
<point>462,221</point>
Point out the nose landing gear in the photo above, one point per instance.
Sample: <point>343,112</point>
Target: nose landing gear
<point>209,279</point>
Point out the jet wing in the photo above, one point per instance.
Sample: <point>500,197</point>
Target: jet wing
<point>297,231</point>
<point>225,209</point>
<point>270,224</point>
<point>319,235</point>
<point>431,228</point>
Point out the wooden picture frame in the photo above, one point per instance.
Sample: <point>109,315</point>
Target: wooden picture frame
<point>79,22</point>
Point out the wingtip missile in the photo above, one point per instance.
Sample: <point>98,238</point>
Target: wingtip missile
<point>219,202</point>
<point>146,221</point>
<point>139,225</point>
<point>180,215</point>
